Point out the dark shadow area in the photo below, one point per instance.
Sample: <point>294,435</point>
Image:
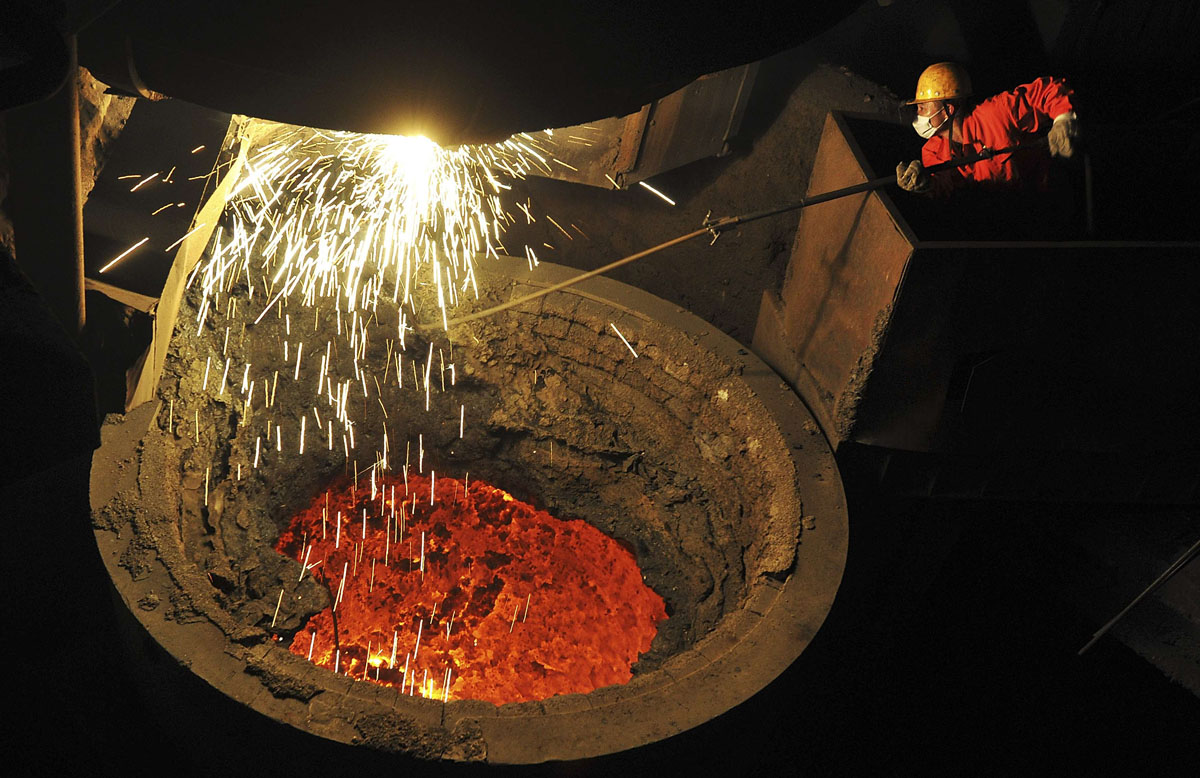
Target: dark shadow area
<point>79,711</point>
<point>948,649</point>
<point>1129,61</point>
<point>523,68</point>
<point>777,78</point>
<point>1122,56</point>
<point>115,336</point>
<point>891,44</point>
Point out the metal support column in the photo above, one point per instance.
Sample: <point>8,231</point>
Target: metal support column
<point>45,201</point>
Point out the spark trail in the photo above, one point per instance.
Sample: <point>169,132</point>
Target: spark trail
<point>363,230</point>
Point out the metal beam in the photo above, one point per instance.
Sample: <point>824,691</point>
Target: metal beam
<point>45,202</point>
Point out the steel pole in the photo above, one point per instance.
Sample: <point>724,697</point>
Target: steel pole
<point>45,201</point>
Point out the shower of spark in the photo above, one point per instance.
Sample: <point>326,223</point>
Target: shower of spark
<point>363,235</point>
<point>360,229</point>
<point>351,220</point>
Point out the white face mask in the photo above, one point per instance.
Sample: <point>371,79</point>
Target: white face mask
<point>925,126</point>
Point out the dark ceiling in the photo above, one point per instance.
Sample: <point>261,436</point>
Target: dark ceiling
<point>453,71</point>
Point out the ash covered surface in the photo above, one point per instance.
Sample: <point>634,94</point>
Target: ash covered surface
<point>668,452</point>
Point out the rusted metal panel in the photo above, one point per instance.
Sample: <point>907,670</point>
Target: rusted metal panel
<point>633,127</point>
<point>692,123</point>
<point>598,153</point>
<point>846,262</point>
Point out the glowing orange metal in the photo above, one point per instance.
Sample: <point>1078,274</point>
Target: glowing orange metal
<point>516,604</point>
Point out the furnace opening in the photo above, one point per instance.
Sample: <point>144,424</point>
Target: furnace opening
<point>658,451</point>
<point>450,588</point>
<point>609,409</point>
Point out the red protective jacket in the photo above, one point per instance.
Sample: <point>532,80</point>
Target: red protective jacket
<point>1005,120</point>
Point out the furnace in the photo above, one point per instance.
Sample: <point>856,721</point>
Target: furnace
<point>599,404</point>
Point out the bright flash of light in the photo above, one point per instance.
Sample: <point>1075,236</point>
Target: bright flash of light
<point>348,226</point>
<point>351,220</point>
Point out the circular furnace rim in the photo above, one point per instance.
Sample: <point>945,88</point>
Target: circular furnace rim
<point>722,670</point>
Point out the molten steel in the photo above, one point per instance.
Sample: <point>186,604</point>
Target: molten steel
<point>508,602</point>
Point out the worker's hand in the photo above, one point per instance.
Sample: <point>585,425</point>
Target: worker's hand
<point>912,177</point>
<point>1063,135</point>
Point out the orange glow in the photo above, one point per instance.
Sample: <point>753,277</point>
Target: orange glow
<point>515,604</point>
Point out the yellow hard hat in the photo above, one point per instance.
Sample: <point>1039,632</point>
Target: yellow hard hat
<point>943,81</point>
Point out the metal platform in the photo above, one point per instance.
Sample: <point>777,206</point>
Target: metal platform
<point>986,365</point>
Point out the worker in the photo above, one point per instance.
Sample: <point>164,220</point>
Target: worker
<point>954,126</point>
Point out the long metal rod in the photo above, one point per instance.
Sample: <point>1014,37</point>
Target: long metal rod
<point>716,227</point>
<point>866,186</point>
<point>576,279</point>
<point>1175,567</point>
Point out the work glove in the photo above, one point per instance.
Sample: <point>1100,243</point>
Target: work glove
<point>912,177</point>
<point>1063,135</point>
